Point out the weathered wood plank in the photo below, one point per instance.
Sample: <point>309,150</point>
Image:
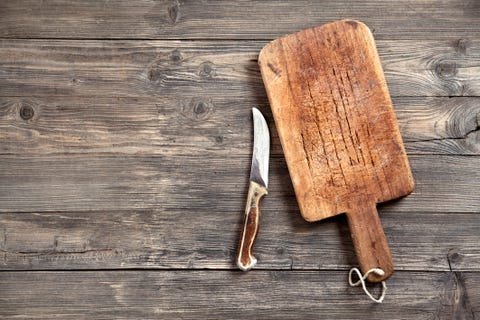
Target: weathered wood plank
<point>159,125</point>
<point>225,19</point>
<point>226,295</point>
<point>92,181</point>
<point>190,182</point>
<point>211,69</point>
<point>183,239</point>
<point>439,125</point>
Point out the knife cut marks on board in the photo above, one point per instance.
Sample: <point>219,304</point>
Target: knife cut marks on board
<point>338,130</point>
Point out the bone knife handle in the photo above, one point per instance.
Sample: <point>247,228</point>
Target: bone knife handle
<point>245,258</point>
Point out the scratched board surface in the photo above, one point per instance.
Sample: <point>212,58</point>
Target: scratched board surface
<point>125,146</point>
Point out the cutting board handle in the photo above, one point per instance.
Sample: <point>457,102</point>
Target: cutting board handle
<point>369,240</point>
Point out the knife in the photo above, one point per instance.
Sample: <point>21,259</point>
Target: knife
<point>257,189</point>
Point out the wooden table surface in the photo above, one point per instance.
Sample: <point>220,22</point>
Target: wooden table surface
<point>125,147</point>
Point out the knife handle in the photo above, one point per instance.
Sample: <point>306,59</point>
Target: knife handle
<point>245,258</point>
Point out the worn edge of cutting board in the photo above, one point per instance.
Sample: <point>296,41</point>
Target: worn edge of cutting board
<point>326,187</point>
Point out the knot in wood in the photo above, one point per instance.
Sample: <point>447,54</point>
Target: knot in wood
<point>446,69</point>
<point>165,68</point>
<point>174,11</point>
<point>206,70</point>
<point>176,55</point>
<point>157,76</point>
<point>197,109</point>
<point>219,139</point>
<point>461,46</point>
<point>26,112</point>
<point>454,256</point>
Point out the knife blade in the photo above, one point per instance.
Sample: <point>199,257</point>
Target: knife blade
<point>257,189</point>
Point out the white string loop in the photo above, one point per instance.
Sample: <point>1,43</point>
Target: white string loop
<point>362,279</point>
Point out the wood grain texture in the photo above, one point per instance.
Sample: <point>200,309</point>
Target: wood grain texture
<point>335,119</point>
<point>135,182</point>
<point>95,130</point>
<point>338,131</point>
<point>102,68</point>
<point>177,19</point>
<point>441,126</point>
<point>211,124</point>
<point>167,239</point>
<point>226,294</point>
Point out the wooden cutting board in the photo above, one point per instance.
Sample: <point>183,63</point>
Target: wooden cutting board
<point>338,130</point>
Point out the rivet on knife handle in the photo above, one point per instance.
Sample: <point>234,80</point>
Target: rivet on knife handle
<point>257,189</point>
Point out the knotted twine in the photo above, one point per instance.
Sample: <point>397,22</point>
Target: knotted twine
<point>362,279</point>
